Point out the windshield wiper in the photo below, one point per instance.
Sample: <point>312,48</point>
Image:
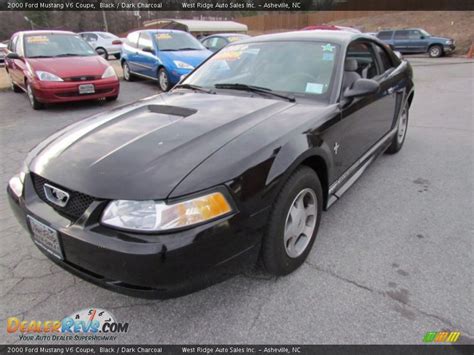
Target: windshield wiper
<point>40,56</point>
<point>194,87</point>
<point>68,55</point>
<point>188,49</point>
<point>252,88</point>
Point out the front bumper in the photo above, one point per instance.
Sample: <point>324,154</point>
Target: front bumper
<point>174,74</point>
<point>56,92</point>
<point>148,266</point>
<point>449,48</point>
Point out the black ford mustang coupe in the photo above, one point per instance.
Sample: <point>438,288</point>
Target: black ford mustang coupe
<point>236,163</point>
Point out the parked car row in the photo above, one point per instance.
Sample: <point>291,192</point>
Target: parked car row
<point>61,66</point>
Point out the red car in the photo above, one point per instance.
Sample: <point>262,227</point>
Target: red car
<point>58,66</point>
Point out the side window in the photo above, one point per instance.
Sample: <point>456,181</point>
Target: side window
<point>414,34</point>
<point>144,41</point>
<point>385,60</point>
<point>92,37</point>
<point>401,34</point>
<point>220,42</point>
<point>207,43</point>
<point>12,44</point>
<point>18,46</point>
<point>366,61</point>
<point>384,35</point>
<point>132,39</point>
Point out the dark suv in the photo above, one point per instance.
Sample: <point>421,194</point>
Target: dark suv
<point>417,40</point>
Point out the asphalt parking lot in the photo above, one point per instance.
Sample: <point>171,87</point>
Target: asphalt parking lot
<point>391,261</point>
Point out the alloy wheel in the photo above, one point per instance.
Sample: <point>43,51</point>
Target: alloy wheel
<point>402,126</point>
<point>126,71</point>
<point>300,223</point>
<point>31,96</point>
<point>163,80</point>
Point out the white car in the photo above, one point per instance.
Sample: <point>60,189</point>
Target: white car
<point>3,49</point>
<point>104,43</point>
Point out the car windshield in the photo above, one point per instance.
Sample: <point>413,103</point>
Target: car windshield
<point>300,68</point>
<point>175,41</point>
<point>424,33</point>
<point>56,45</point>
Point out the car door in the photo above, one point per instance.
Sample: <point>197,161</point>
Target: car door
<point>402,41</point>
<point>145,60</point>
<point>364,119</point>
<point>16,67</point>
<point>418,42</point>
<point>130,51</point>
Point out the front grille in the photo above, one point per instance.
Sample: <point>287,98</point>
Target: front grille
<point>74,93</point>
<point>77,204</point>
<point>83,78</point>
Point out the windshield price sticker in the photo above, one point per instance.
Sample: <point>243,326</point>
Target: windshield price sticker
<point>161,36</point>
<point>37,39</point>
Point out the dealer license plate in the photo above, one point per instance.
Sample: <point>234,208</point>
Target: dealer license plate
<point>45,237</point>
<point>86,89</point>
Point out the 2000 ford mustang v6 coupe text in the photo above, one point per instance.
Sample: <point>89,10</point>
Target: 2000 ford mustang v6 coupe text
<point>236,163</point>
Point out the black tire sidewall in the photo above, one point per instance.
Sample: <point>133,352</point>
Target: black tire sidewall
<point>275,259</point>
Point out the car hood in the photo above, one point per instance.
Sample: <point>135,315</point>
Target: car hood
<point>194,57</point>
<point>142,151</point>
<point>435,38</point>
<point>70,66</point>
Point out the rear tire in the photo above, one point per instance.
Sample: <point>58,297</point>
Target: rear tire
<point>435,51</point>
<point>163,80</point>
<point>293,223</point>
<point>35,104</point>
<point>117,56</point>
<point>127,75</point>
<point>14,87</point>
<point>399,138</point>
<point>102,52</point>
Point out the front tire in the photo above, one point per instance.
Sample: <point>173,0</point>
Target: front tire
<point>102,52</point>
<point>35,104</point>
<point>163,80</point>
<point>293,223</point>
<point>399,138</point>
<point>435,51</point>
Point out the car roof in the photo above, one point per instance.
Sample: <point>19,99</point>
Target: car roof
<point>44,32</point>
<point>163,31</point>
<point>229,35</point>
<point>339,37</point>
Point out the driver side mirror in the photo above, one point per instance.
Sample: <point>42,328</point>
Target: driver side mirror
<point>13,55</point>
<point>362,87</point>
<point>149,50</point>
<point>422,37</point>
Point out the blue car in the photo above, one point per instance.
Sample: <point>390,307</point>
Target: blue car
<point>162,55</point>
<point>417,40</point>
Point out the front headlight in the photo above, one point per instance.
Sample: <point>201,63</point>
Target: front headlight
<point>109,73</point>
<point>182,65</point>
<point>449,41</point>
<point>45,76</point>
<point>147,216</point>
<point>17,182</point>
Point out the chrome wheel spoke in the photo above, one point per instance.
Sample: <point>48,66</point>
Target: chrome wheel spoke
<point>300,223</point>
